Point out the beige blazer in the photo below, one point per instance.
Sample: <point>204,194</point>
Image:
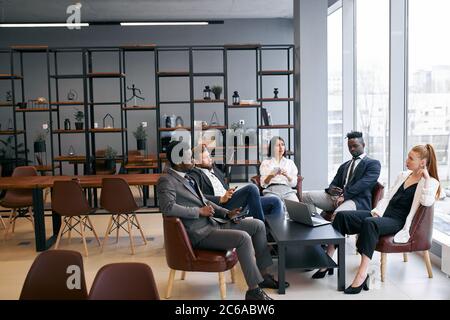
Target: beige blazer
<point>423,196</point>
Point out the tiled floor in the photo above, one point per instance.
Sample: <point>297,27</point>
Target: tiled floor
<point>404,280</point>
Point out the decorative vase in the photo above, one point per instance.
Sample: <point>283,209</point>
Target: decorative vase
<point>39,146</point>
<point>66,124</point>
<point>110,164</point>
<point>141,144</point>
<point>275,93</point>
<point>79,125</point>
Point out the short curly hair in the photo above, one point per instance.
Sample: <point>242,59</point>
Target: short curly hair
<point>355,135</point>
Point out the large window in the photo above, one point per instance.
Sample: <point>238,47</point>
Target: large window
<point>429,89</point>
<point>372,101</point>
<point>334,92</point>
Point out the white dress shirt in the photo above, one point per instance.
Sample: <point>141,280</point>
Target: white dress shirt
<point>219,190</point>
<point>268,166</point>
<point>357,161</point>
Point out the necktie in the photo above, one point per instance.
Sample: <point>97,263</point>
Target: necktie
<point>352,168</point>
<point>193,185</point>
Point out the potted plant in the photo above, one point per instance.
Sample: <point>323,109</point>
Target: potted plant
<point>79,117</point>
<point>39,142</point>
<point>110,158</point>
<point>217,90</point>
<point>141,137</point>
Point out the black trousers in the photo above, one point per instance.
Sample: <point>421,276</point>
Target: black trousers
<point>369,228</point>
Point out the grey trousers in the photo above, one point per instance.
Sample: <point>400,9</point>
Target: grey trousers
<point>324,201</point>
<point>249,238</point>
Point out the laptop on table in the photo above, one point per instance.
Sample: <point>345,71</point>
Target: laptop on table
<point>304,213</point>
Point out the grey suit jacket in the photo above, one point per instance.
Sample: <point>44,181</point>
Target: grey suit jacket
<point>176,198</point>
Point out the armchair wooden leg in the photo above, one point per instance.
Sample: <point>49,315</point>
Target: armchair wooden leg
<point>170,283</point>
<point>405,257</point>
<point>139,227</point>
<point>93,230</point>
<point>61,229</point>
<point>118,227</point>
<point>2,222</point>
<point>233,274</point>
<point>383,265</point>
<point>10,223</point>
<point>130,234</point>
<point>426,257</point>
<point>82,236</point>
<point>183,275</point>
<point>223,286</point>
<point>108,231</point>
<point>69,232</point>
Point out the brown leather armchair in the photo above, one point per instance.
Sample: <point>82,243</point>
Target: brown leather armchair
<point>377,195</point>
<point>420,240</point>
<point>49,275</point>
<point>124,281</point>
<point>181,256</point>
<point>257,180</point>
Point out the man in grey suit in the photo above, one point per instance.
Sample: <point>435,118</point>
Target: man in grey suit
<point>210,226</point>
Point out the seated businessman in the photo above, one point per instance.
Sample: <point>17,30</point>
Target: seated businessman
<point>211,181</point>
<point>210,226</point>
<point>351,188</point>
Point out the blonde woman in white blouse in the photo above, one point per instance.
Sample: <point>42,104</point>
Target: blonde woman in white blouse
<point>279,174</point>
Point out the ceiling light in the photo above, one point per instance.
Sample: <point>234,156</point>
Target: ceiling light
<point>174,23</point>
<point>39,25</point>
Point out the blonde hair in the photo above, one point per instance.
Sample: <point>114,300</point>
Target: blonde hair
<point>427,152</point>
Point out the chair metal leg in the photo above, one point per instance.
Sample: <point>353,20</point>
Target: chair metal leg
<point>69,232</point>
<point>170,283</point>
<point>183,275</point>
<point>405,257</point>
<point>426,257</point>
<point>383,265</point>
<point>223,286</point>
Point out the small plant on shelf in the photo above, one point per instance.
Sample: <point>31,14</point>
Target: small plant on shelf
<point>79,117</point>
<point>110,158</point>
<point>141,137</point>
<point>217,90</point>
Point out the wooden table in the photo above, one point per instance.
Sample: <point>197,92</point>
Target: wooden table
<point>38,183</point>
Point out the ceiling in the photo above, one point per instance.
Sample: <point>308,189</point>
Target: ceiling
<point>144,10</point>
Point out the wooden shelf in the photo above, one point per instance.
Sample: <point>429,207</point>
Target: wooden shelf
<point>174,74</point>
<point>277,126</point>
<point>174,102</point>
<point>276,100</point>
<point>139,108</point>
<point>103,130</point>
<point>30,48</point>
<point>34,109</point>
<point>214,127</point>
<point>59,131</point>
<point>275,72</point>
<point>247,46</point>
<point>75,158</point>
<point>11,132</point>
<point>67,103</point>
<point>209,101</point>
<point>105,75</point>
<point>139,47</point>
<point>173,129</point>
<point>5,76</point>
<point>6,104</point>
<point>208,74</point>
<point>231,106</point>
<point>67,76</point>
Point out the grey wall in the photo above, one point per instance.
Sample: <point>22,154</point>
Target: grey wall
<point>140,70</point>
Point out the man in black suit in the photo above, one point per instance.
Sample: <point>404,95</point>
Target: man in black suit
<point>351,188</point>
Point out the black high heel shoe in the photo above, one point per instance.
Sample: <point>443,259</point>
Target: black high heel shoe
<point>356,290</point>
<point>320,274</point>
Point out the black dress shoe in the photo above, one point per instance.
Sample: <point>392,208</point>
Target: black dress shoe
<point>320,274</point>
<point>356,290</point>
<point>256,294</point>
<point>270,282</point>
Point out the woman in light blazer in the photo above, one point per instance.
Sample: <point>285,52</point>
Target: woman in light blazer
<point>393,214</point>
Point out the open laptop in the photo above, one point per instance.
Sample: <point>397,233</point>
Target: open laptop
<point>304,213</point>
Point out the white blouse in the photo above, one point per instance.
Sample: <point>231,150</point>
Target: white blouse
<point>268,167</point>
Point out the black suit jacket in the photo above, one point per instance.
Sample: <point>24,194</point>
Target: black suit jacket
<point>205,184</point>
<point>359,189</point>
